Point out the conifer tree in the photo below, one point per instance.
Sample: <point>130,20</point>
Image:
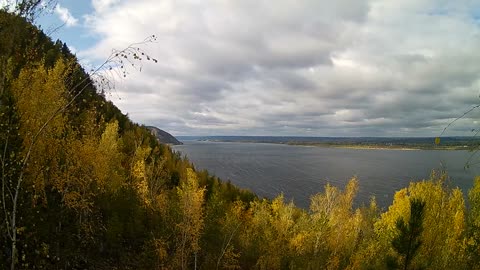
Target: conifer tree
<point>408,240</point>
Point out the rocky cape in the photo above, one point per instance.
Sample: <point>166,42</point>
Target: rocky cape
<point>163,136</point>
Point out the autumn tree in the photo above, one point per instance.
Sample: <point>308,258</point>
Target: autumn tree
<point>191,200</point>
<point>35,108</point>
<point>234,219</point>
<point>273,226</point>
<point>473,241</point>
<point>443,244</point>
<point>336,225</point>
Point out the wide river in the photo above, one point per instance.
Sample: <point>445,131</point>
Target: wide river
<point>300,171</point>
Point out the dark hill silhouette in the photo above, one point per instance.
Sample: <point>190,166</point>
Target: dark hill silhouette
<point>163,136</point>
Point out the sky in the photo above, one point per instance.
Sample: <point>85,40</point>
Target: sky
<point>287,67</point>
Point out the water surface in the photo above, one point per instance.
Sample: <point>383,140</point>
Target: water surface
<point>299,171</point>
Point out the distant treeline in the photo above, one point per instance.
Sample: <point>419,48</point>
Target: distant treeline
<point>463,142</point>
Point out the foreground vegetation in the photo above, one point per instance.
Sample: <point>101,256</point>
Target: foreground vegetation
<point>85,188</point>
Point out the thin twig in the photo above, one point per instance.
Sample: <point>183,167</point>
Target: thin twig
<point>463,115</point>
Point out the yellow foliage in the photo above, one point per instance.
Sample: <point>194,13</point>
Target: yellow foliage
<point>140,175</point>
<point>191,198</point>
<point>474,199</point>
<point>39,95</point>
<point>139,169</point>
<point>37,106</point>
<point>161,203</point>
<point>335,226</point>
<point>108,158</point>
<point>297,243</point>
<point>282,217</point>
<point>333,263</point>
<point>400,208</point>
<point>231,259</point>
<point>444,222</point>
<point>90,167</point>
<point>160,247</point>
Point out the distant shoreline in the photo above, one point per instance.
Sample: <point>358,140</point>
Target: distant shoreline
<point>384,147</point>
<point>358,146</point>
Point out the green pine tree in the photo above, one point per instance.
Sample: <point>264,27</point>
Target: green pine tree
<point>408,241</point>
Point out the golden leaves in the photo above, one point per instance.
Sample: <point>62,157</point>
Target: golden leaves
<point>139,174</point>
<point>191,199</point>
<point>139,169</point>
<point>444,221</point>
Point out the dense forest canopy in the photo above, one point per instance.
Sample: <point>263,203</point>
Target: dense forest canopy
<point>83,187</point>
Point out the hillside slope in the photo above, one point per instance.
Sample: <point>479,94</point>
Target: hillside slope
<point>163,136</point>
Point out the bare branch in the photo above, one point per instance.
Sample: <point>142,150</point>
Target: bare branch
<point>463,115</point>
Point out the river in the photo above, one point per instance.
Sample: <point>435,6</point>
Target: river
<point>300,171</point>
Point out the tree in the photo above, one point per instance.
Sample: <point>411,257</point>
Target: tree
<point>36,109</point>
<point>228,258</point>
<point>473,241</point>
<point>335,225</point>
<point>443,243</point>
<point>408,240</point>
<point>191,199</point>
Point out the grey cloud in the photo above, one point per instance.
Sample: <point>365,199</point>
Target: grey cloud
<point>316,68</point>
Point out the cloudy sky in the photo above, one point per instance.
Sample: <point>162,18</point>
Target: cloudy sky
<point>287,67</point>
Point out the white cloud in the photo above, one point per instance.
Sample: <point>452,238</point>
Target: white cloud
<point>65,16</point>
<point>297,67</point>
<point>102,5</point>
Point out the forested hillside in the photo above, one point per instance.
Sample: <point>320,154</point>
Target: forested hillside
<point>85,188</point>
